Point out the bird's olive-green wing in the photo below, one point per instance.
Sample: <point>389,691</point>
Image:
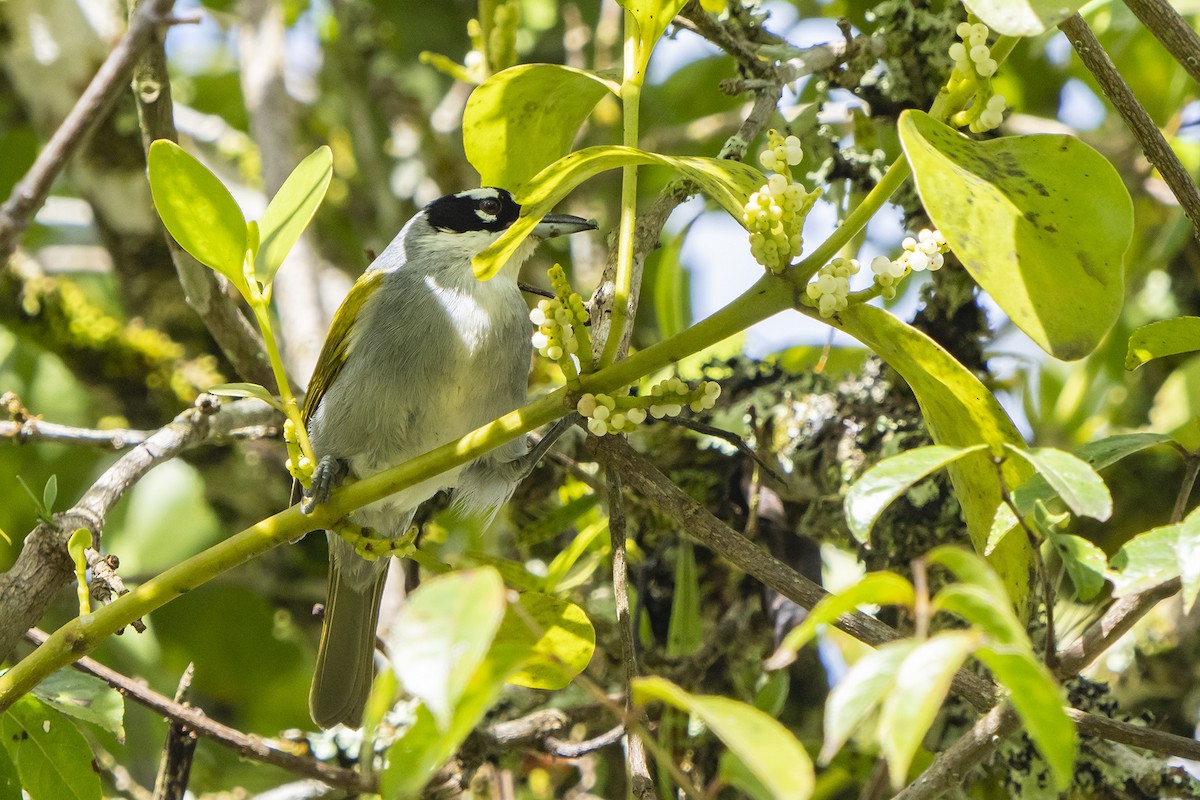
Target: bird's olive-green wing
<point>337,343</point>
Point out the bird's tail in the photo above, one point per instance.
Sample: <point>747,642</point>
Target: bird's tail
<point>345,658</point>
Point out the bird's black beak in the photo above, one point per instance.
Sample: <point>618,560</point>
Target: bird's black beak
<point>553,225</point>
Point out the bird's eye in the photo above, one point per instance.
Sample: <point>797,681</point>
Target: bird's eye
<point>490,205</point>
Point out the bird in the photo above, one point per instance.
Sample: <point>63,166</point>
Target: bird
<point>419,353</point>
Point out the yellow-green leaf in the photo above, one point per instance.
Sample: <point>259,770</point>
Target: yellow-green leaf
<point>1041,703</point>
<point>922,681</point>
<point>880,485</point>
<point>1166,337</point>
<point>652,18</point>
<point>730,183</point>
<point>1041,222</point>
<point>444,631</point>
<point>960,412</point>
<point>52,758</point>
<point>555,636</point>
<point>198,211</point>
<point>1022,17</point>
<point>769,751</point>
<point>876,588</point>
<point>290,211</point>
<point>524,118</point>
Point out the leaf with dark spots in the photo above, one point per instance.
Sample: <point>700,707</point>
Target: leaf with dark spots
<point>1041,222</point>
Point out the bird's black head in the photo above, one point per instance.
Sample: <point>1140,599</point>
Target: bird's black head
<point>485,209</point>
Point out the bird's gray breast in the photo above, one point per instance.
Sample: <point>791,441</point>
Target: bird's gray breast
<point>438,354</point>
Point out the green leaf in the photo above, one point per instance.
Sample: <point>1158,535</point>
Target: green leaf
<point>290,211</point>
<point>1022,17</point>
<point>85,698</point>
<point>246,390</point>
<point>50,494</point>
<point>684,631</point>
<point>444,631</point>
<point>1166,337</point>
<point>198,211</point>
<point>1041,222</point>
<point>730,183</point>
<point>880,485</point>
<point>652,18</point>
<point>879,588</point>
<point>1041,704</point>
<point>555,637</point>
<point>1079,486</point>
<point>922,681</point>
<point>861,690</point>
<point>1176,407</point>
<point>1085,563</point>
<point>1099,454</point>
<point>10,782</point>
<point>982,609</point>
<point>414,758</point>
<point>968,568</point>
<point>769,750</point>
<point>731,771</point>
<point>564,562</point>
<point>52,758</point>
<point>1159,555</point>
<point>523,118</point>
<point>960,412</point>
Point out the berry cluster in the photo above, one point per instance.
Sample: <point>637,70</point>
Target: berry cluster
<point>973,63</point>
<point>831,286</point>
<point>562,332</point>
<point>774,214</point>
<point>920,254</point>
<point>607,414</point>
<point>978,58</point>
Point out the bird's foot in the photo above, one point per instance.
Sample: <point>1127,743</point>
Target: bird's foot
<point>327,476</point>
<point>369,545</point>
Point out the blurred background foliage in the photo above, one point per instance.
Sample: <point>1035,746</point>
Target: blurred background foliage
<point>94,331</point>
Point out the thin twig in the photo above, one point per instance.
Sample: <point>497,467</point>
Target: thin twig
<point>175,768</point>
<point>1126,611</point>
<point>203,290</point>
<point>1191,467</point>
<point>246,745</point>
<point>564,749</point>
<point>637,770</point>
<point>699,524</point>
<point>1157,151</point>
<point>1172,30</point>
<point>110,80</point>
<point>726,436</point>
<point>43,567</point>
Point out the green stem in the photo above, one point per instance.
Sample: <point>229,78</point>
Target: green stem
<point>76,638</point>
<point>631,93</point>
<point>892,180</point>
<point>291,408</point>
<point>487,21</point>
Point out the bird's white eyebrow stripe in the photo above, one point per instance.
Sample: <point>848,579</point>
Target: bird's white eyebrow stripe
<point>480,194</point>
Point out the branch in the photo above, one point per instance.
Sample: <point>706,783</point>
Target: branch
<point>194,719</point>
<point>950,767</point>
<point>204,291</point>
<point>641,785</point>
<point>1157,151</point>
<point>110,80</point>
<point>1114,624</point>
<point>175,768</point>
<point>43,566</point>
<point>699,524</point>
<point>1172,30</point>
